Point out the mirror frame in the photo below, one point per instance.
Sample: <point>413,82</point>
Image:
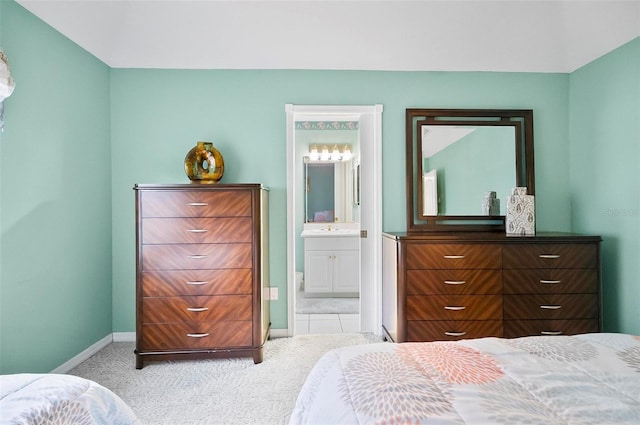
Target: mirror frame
<point>521,119</point>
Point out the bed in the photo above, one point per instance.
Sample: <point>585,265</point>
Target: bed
<point>581,379</point>
<point>56,399</point>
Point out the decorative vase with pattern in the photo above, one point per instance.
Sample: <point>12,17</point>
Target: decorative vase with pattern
<point>521,214</point>
<point>204,164</point>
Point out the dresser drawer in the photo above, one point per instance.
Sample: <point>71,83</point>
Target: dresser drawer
<point>455,282</point>
<point>196,230</point>
<point>196,335</point>
<point>550,281</point>
<point>196,308</point>
<point>556,256</point>
<point>562,306</point>
<point>196,282</point>
<point>451,330</point>
<point>454,307</point>
<point>453,256</point>
<point>195,203</point>
<point>197,256</point>
<point>518,328</point>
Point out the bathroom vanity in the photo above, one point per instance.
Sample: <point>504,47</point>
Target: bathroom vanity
<point>331,260</point>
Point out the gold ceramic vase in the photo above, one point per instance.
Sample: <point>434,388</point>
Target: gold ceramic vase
<point>204,164</point>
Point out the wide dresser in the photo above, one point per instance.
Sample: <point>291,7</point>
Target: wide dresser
<point>202,271</point>
<point>449,286</point>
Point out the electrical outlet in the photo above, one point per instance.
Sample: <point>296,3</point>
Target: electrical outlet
<point>273,293</point>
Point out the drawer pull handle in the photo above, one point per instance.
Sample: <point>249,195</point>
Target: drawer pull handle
<point>454,307</point>
<point>455,282</point>
<point>549,256</point>
<point>550,282</point>
<point>197,257</point>
<point>551,333</point>
<point>454,257</point>
<point>455,333</point>
<point>197,230</point>
<point>197,282</point>
<point>551,307</point>
<point>197,335</point>
<point>197,204</point>
<point>197,309</point>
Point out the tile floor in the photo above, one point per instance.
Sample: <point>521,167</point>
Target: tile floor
<point>326,323</point>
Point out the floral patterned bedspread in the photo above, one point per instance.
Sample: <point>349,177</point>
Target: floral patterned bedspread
<point>56,399</point>
<point>581,379</point>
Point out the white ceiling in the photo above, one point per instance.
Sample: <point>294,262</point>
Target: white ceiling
<point>430,35</point>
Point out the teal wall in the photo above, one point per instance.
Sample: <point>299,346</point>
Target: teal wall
<point>80,135</point>
<point>158,115</point>
<point>605,175</point>
<point>55,277</point>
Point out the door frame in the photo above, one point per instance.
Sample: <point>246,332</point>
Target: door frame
<point>371,217</point>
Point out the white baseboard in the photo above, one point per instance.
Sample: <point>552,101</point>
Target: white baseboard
<point>124,337</point>
<point>75,361</point>
<point>279,333</point>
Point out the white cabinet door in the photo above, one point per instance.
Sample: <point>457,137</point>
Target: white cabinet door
<point>318,271</point>
<point>346,271</point>
<point>332,266</point>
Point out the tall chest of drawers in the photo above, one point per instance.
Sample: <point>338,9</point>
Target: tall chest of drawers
<point>459,286</point>
<point>202,271</point>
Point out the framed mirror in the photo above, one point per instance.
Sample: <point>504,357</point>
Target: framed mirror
<point>458,157</point>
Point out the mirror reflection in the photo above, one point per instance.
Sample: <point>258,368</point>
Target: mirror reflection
<point>329,193</point>
<point>462,164</point>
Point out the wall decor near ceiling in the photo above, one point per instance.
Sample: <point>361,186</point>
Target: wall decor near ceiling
<point>327,125</point>
<point>7,84</point>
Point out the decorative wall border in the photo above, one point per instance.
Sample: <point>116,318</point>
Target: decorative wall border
<point>327,125</point>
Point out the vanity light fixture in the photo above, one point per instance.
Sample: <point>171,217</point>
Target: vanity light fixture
<point>336,154</point>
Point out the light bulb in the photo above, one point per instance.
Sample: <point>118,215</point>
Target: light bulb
<point>313,153</point>
<point>325,154</point>
<point>346,154</point>
<point>335,155</point>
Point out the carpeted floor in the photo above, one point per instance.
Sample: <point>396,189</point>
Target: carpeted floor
<point>221,391</point>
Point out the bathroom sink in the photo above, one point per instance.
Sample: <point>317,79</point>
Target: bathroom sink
<point>327,232</point>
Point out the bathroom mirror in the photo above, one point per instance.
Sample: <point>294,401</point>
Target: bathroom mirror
<point>455,157</point>
<point>328,191</point>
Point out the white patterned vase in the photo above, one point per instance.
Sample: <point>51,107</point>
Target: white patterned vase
<point>521,213</point>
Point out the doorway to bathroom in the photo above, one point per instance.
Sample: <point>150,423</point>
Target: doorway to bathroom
<point>334,218</point>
